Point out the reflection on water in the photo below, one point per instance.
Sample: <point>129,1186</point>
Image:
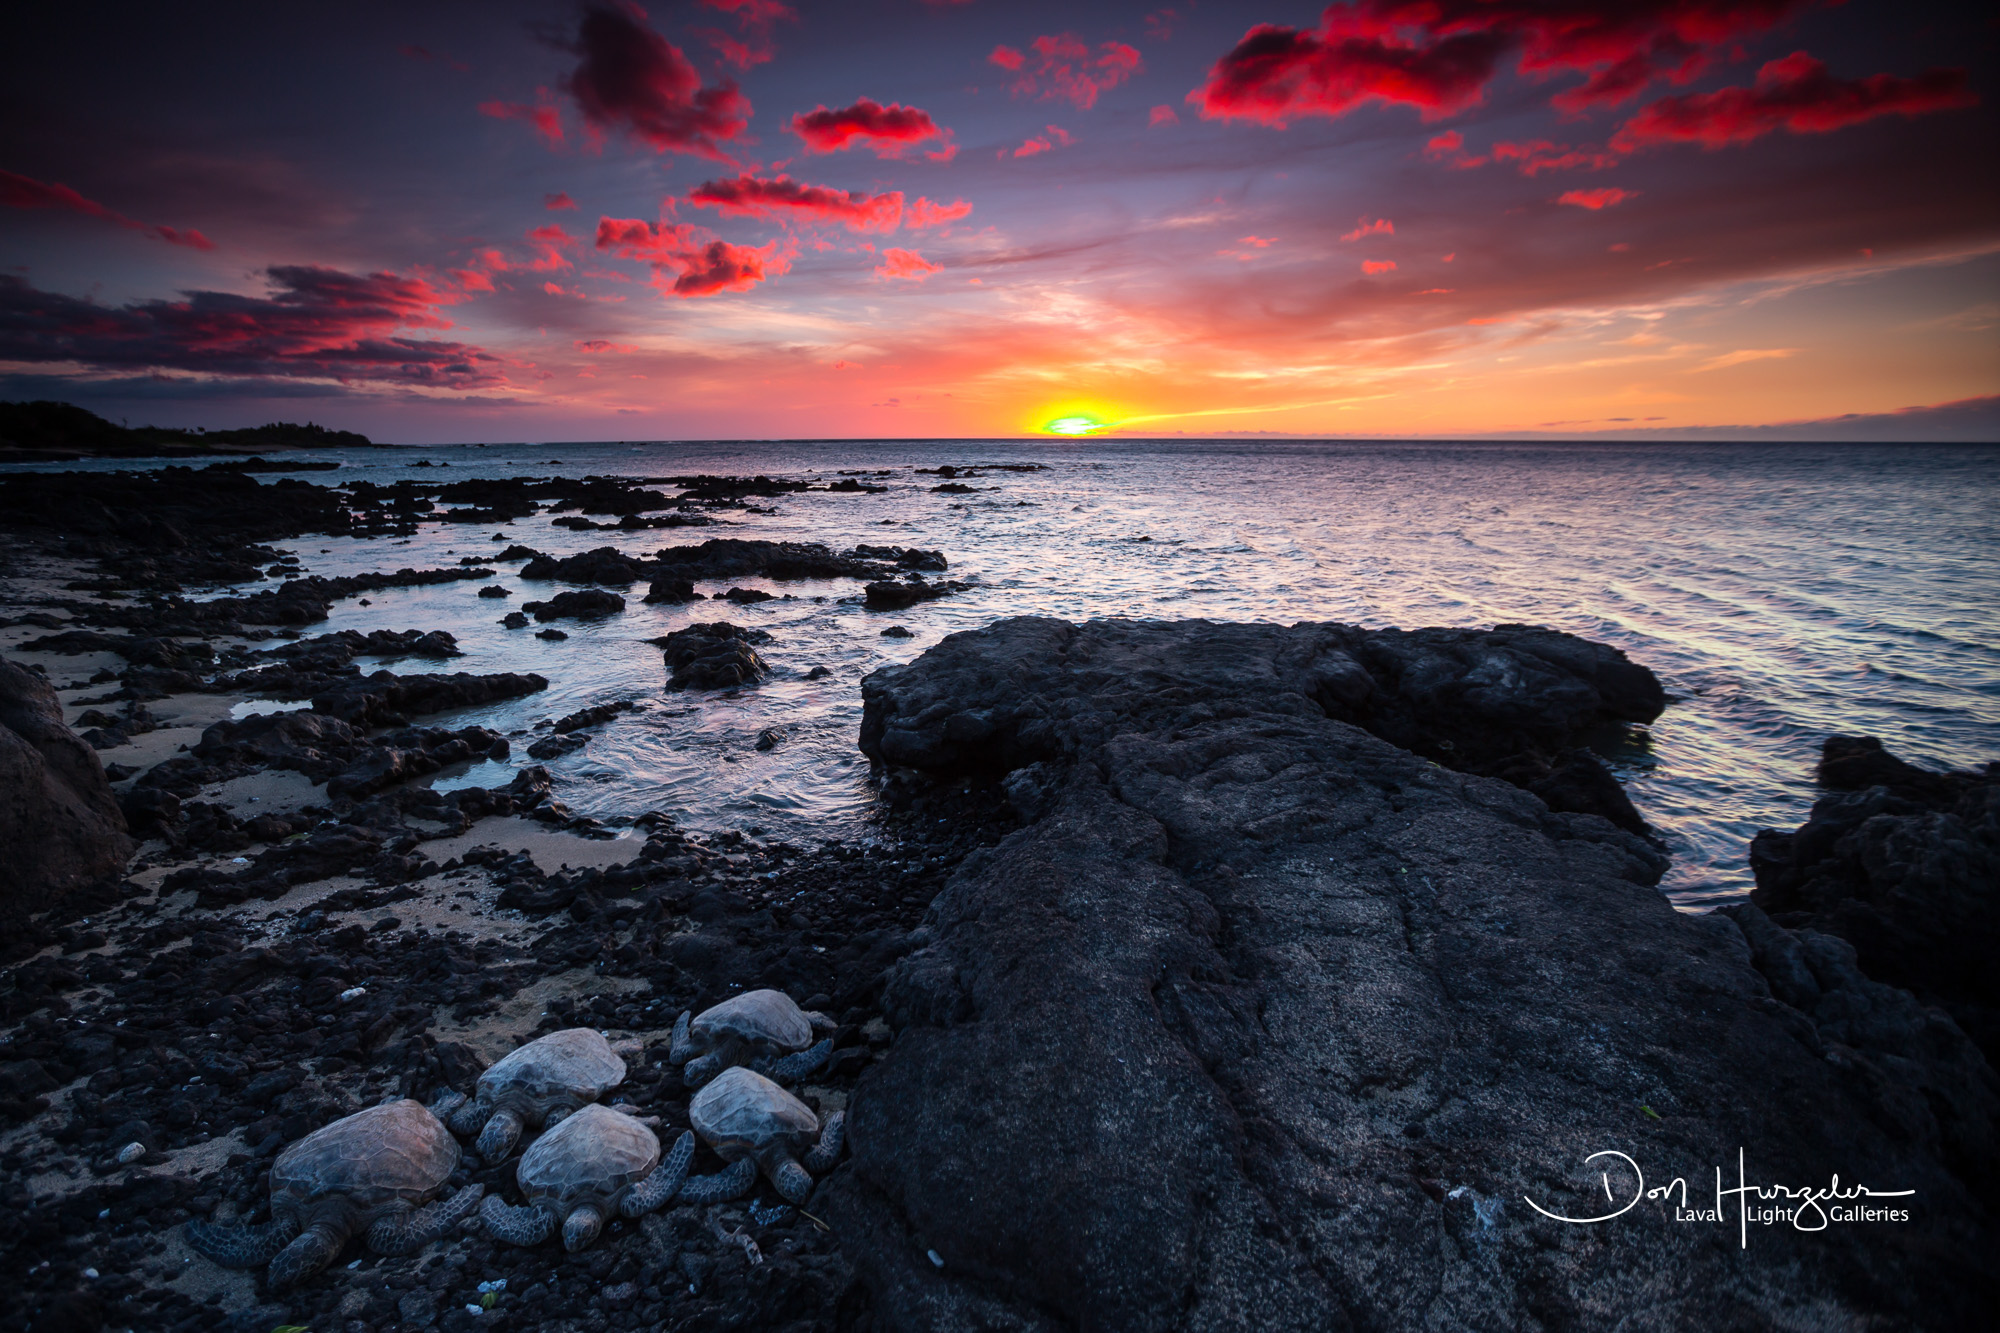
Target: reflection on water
<point>1783,592</point>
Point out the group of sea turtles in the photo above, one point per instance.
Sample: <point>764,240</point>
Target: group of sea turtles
<point>381,1172</point>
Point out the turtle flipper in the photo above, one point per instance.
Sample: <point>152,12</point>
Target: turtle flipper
<point>682,1049</point>
<point>827,1151</point>
<point>804,1062</point>
<point>516,1226</point>
<point>664,1183</point>
<point>317,1246</point>
<point>446,1104</point>
<point>581,1228</point>
<point>733,1182</point>
<point>241,1247</point>
<point>793,1181</point>
<point>497,1140</point>
<point>406,1233</point>
<point>467,1117</point>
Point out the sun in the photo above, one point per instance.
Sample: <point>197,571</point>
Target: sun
<point>1074,425</point>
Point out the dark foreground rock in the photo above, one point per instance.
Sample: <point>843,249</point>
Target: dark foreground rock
<point>1267,1022</point>
<point>59,823</point>
<point>1904,866</point>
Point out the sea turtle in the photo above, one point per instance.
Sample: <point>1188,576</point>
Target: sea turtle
<point>376,1171</point>
<point>759,1028</point>
<point>537,1084</point>
<point>595,1165</point>
<point>753,1123</point>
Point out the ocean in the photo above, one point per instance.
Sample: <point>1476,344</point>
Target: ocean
<point>1783,593</point>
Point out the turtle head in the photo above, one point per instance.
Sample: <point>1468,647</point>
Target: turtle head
<point>581,1228</point>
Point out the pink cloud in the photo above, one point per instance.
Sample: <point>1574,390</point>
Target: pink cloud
<point>1373,266</point>
<point>547,121</point>
<point>906,264</point>
<point>1162,115</point>
<point>924,214</point>
<point>1363,227</point>
<point>781,198</point>
<point>889,130</point>
<point>702,268</point>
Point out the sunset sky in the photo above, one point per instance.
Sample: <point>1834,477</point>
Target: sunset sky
<point>879,218</point>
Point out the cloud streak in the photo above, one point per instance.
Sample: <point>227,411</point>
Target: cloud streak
<point>17,191</point>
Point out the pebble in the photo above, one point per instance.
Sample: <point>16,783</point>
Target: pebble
<point>131,1153</point>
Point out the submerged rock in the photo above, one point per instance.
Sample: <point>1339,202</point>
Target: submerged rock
<point>714,655</point>
<point>592,604</point>
<point>1265,1021</point>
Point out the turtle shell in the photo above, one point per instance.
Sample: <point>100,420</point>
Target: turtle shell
<point>591,1157</point>
<point>762,1017</point>
<point>576,1062</point>
<point>741,1113</point>
<point>395,1151</point>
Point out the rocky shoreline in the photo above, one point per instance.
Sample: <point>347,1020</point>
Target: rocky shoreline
<point>1198,974</point>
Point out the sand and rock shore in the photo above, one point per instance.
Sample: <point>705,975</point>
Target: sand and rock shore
<point>1198,975</point>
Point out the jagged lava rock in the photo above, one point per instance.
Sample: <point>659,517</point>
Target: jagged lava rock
<point>1266,1022</point>
<point>59,822</point>
<point>1904,865</point>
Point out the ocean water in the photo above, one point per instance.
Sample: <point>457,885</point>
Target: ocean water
<point>1782,592</point>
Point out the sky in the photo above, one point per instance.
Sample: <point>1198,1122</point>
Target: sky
<point>722,219</point>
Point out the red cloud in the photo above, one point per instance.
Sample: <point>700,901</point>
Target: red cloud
<point>1374,266</point>
<point>1363,227</point>
<point>1438,55</point>
<point>1162,115</point>
<point>543,116</point>
<point>1540,155</point>
<point>924,214</point>
<point>703,268</point>
<point>906,264</point>
<point>1605,197</point>
<point>1795,94</point>
<point>1030,147</point>
<point>783,199</point>
<point>1063,66</point>
<point>27,192</point>
<point>889,130</point>
<point>632,78</point>
<point>558,200</point>
<point>321,324</point>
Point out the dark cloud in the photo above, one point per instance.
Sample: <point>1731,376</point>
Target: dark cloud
<point>321,324</point>
<point>635,80</point>
<point>1439,55</point>
<point>1796,94</point>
